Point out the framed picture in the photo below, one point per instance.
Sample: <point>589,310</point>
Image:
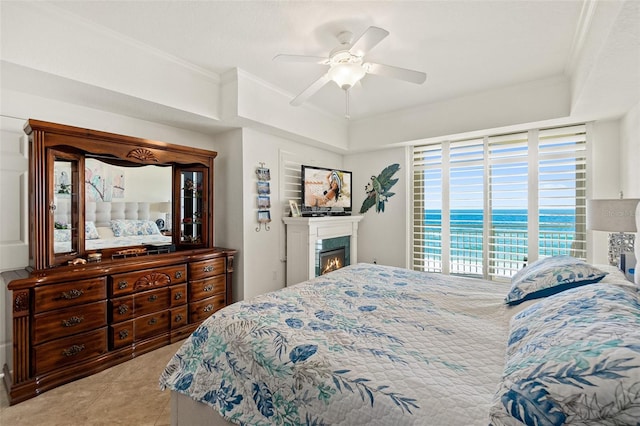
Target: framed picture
<point>264,216</point>
<point>263,187</point>
<point>295,209</point>
<point>263,173</point>
<point>264,201</point>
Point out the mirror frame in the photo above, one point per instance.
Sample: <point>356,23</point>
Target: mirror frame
<point>48,141</point>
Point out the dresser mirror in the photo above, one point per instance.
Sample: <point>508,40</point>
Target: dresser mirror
<point>102,194</point>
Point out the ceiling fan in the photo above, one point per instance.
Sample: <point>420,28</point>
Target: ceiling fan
<point>346,66</point>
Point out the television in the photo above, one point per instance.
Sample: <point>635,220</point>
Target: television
<point>325,191</point>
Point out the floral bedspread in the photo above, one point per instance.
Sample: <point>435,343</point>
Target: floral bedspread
<point>573,359</point>
<point>364,345</point>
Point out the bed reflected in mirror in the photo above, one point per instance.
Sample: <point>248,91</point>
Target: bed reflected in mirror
<point>124,205</point>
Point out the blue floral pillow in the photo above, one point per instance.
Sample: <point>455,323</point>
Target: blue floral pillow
<point>128,228</point>
<point>90,231</point>
<point>62,235</point>
<point>550,276</point>
<point>573,359</point>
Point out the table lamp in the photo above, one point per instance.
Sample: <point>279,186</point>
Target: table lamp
<point>617,216</point>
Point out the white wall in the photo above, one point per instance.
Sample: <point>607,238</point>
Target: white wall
<point>264,269</point>
<point>520,104</point>
<point>630,153</point>
<point>630,166</point>
<point>228,195</point>
<point>604,179</point>
<point>382,237</point>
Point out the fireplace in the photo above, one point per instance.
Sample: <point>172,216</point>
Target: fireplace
<point>333,259</point>
<point>307,237</point>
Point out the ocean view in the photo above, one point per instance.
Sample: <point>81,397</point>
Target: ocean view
<point>508,238</point>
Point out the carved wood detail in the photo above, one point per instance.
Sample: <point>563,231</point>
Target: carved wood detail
<point>21,301</point>
<point>154,279</point>
<point>142,155</point>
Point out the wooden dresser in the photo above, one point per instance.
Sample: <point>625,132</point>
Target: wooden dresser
<point>90,299</point>
<point>74,321</point>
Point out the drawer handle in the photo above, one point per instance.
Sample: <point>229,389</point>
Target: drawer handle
<point>152,298</point>
<point>71,294</point>
<point>178,274</point>
<point>207,308</point>
<point>72,321</point>
<point>124,334</point>
<point>123,309</point>
<point>178,318</point>
<point>152,321</point>
<point>178,295</point>
<point>208,268</point>
<point>73,350</point>
<point>208,288</point>
<point>122,284</point>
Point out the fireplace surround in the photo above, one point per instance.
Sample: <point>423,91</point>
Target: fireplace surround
<point>307,236</point>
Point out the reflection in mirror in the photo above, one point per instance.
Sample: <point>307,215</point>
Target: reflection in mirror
<point>126,206</point>
<point>61,206</point>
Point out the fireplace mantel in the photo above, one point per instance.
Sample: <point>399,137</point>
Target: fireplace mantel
<point>302,235</point>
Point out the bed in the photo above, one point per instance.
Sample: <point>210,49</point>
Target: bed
<point>377,345</point>
<point>110,225</point>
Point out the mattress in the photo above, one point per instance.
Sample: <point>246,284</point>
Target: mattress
<point>366,344</point>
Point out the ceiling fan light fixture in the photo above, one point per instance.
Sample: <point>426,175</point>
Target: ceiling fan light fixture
<point>345,75</point>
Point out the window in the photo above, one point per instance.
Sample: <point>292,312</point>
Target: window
<point>487,206</point>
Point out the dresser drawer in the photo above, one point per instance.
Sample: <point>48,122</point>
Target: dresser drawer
<point>121,335</point>
<point>68,321</point>
<point>178,295</point>
<point>151,301</point>
<point>206,268</point>
<point>199,311</point>
<point>121,284</point>
<point>59,296</point>
<point>121,309</point>
<point>151,325</point>
<point>201,289</point>
<point>179,317</point>
<point>70,350</point>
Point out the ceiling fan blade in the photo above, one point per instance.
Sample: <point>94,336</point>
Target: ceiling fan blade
<point>301,58</point>
<point>368,40</point>
<point>313,88</point>
<point>411,76</point>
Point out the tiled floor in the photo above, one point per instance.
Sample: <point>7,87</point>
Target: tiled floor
<point>127,394</point>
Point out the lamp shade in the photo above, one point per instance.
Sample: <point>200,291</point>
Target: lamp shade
<point>346,75</point>
<point>612,215</point>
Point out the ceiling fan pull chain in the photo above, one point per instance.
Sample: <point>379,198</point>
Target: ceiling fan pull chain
<point>346,115</point>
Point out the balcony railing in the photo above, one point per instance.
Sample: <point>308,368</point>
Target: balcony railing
<point>508,251</point>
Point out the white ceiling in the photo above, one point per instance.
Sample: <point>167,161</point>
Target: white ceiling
<point>464,46</point>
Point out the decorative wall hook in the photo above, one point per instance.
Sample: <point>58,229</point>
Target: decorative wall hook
<point>266,226</point>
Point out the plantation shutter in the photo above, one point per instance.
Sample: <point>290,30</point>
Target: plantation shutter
<point>489,206</point>
<point>427,206</point>
<point>562,191</point>
<point>508,203</point>
<point>290,188</point>
<point>466,201</point>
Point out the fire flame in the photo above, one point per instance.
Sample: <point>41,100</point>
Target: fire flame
<point>331,265</point>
